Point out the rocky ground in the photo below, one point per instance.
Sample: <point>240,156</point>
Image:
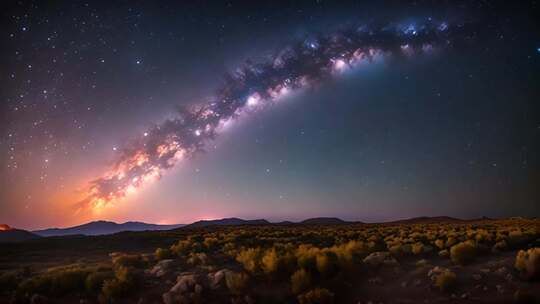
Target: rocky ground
<point>385,280</point>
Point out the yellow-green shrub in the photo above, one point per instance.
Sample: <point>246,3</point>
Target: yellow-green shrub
<point>8,280</point>
<point>444,253</point>
<point>300,281</point>
<point>94,281</point>
<point>236,282</point>
<point>128,260</point>
<point>163,253</point>
<point>528,263</point>
<point>524,297</point>
<point>417,248</point>
<point>317,296</point>
<point>198,258</point>
<point>440,243</point>
<point>270,261</point>
<point>446,280</point>
<point>250,258</point>
<point>463,252</point>
<point>56,282</point>
<point>183,247</point>
<point>500,246</point>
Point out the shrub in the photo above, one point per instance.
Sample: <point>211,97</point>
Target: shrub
<point>440,243</point>
<point>500,246</point>
<point>300,281</point>
<point>463,253</point>
<point>270,261</point>
<point>198,258</point>
<point>250,259</point>
<point>395,249</point>
<point>326,263</point>
<point>528,263</point>
<point>65,282</point>
<point>236,282</point>
<point>39,284</point>
<point>183,247</point>
<point>451,241</point>
<point>114,289</point>
<point>123,282</point>
<point>317,296</point>
<point>524,297</point>
<point>417,248</point>
<point>446,280</point>
<point>211,243</point>
<point>128,260</point>
<point>444,253</point>
<point>306,256</point>
<point>57,282</point>
<point>163,254</point>
<point>8,280</point>
<point>94,281</point>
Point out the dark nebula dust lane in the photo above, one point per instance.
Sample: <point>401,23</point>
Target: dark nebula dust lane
<point>259,83</point>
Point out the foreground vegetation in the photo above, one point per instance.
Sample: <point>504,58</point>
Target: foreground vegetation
<point>301,264</point>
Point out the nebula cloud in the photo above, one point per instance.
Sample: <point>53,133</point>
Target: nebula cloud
<point>254,86</point>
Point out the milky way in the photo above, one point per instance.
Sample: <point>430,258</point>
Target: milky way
<point>256,85</point>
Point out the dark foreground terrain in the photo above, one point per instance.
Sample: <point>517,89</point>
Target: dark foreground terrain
<point>487,261</point>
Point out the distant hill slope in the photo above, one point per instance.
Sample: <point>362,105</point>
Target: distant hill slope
<point>324,221</point>
<point>103,227</point>
<point>226,222</point>
<point>8,234</point>
<point>428,220</point>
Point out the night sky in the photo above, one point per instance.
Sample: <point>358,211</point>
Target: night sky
<point>173,112</point>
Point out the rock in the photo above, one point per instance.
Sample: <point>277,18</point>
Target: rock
<point>185,282</point>
<point>188,289</point>
<point>422,263</point>
<point>509,277</point>
<point>477,277</point>
<point>417,282</point>
<point>249,300</point>
<point>428,249</point>
<point>404,284</point>
<point>391,262</point>
<point>198,288</point>
<point>217,279</point>
<point>242,300</point>
<point>501,271</point>
<point>39,299</point>
<point>464,296</point>
<point>485,270</point>
<point>167,298</point>
<point>162,268</point>
<point>500,289</point>
<point>380,258</point>
<point>375,280</point>
<point>435,271</point>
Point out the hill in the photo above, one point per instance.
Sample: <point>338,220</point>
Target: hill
<point>324,221</point>
<point>8,234</point>
<point>233,221</point>
<point>103,227</point>
<point>428,220</point>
